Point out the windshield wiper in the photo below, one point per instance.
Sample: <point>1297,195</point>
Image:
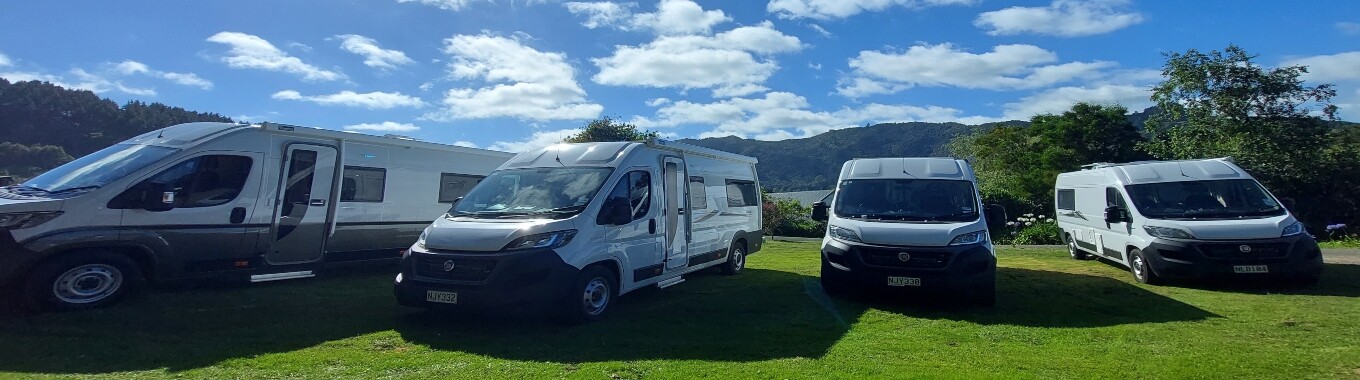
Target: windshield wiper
<point>26,187</point>
<point>951,217</point>
<point>73,189</point>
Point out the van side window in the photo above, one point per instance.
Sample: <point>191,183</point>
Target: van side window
<point>454,186</point>
<point>360,184</point>
<point>1067,199</point>
<point>203,181</point>
<point>741,193</point>
<point>1112,198</point>
<point>636,186</point>
<point>698,193</point>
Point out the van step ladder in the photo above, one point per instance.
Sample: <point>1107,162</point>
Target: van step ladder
<point>281,276</point>
<point>670,282</point>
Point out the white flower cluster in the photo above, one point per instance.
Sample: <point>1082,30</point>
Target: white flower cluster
<point>1029,220</point>
<point>1333,227</point>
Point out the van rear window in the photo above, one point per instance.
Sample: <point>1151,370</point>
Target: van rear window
<point>1067,199</point>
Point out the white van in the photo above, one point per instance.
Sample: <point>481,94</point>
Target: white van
<point>1188,219</point>
<point>575,225</point>
<point>259,202</point>
<point>909,223</point>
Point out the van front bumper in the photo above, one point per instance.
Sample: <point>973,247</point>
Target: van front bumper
<point>971,267</point>
<point>1293,257</point>
<point>489,280</point>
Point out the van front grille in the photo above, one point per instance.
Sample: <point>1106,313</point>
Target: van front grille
<point>463,269</point>
<point>915,258</point>
<point>1236,250</point>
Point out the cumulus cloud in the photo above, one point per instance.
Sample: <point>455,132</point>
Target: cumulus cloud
<point>523,83</point>
<point>1329,68</point>
<point>252,52</point>
<point>672,17</point>
<point>79,79</point>
<point>374,56</point>
<point>536,140</point>
<point>839,9</point>
<point>372,100</point>
<point>130,67</point>
<point>1065,18</point>
<point>726,62</point>
<point>386,126</point>
<point>451,5</point>
<point>1058,100</point>
<point>1006,67</point>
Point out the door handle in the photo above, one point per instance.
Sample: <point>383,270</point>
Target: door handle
<point>651,226</point>
<point>238,215</point>
<point>318,202</point>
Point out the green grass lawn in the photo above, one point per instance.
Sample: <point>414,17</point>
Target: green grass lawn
<point>1346,242</point>
<point>1055,318</point>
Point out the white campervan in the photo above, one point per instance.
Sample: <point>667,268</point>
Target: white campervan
<point>909,223</point>
<point>259,202</point>
<point>574,225</point>
<point>1192,218</point>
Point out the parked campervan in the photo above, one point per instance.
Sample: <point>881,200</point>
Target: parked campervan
<point>573,226</point>
<point>909,223</point>
<point>1165,219</point>
<point>260,202</point>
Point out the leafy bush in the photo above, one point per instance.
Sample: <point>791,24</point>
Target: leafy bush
<point>1029,229</point>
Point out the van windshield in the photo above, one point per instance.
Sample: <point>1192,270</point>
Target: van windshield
<point>1218,199</point>
<point>98,168</point>
<point>535,192</point>
<point>913,200</point>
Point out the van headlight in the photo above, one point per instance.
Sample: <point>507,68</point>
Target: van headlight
<point>975,237</point>
<point>421,241</point>
<point>548,240</point>
<point>1169,233</point>
<point>1292,229</point>
<point>22,220</point>
<point>843,234</point>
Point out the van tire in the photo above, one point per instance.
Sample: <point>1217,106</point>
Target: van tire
<point>1072,250</point>
<point>1141,269</point>
<point>81,281</point>
<point>736,259</point>
<point>832,283</point>
<point>589,297</point>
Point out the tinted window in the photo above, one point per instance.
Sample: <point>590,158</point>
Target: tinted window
<point>636,186</point>
<point>361,184</point>
<point>202,181</point>
<point>1227,199</point>
<point>742,194</point>
<point>698,193</point>
<point>454,186</point>
<point>100,168</point>
<point>914,200</point>
<point>1067,199</point>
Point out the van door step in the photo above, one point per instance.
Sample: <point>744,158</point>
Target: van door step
<point>670,282</point>
<point>281,276</point>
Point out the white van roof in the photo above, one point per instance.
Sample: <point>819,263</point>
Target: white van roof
<point>1133,173</point>
<point>911,167</point>
<point>608,153</point>
<point>189,134</point>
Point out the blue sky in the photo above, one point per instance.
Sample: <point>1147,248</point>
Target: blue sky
<point>514,74</point>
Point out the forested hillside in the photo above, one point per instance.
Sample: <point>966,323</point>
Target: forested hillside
<point>43,125</point>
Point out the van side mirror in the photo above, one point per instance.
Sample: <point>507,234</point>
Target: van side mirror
<point>1116,214</point>
<point>616,211</point>
<point>819,212</point>
<point>157,197</point>
<point>1288,203</point>
<point>996,216</point>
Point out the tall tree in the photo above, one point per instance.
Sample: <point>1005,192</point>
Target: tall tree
<point>608,129</point>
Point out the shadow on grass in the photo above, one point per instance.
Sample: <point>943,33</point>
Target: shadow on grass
<point>1038,298</point>
<point>1339,280</point>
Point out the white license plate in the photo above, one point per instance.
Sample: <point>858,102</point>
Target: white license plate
<point>1250,269</point>
<point>441,297</point>
<point>904,281</point>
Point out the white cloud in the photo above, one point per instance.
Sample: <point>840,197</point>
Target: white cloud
<point>4,60</point>
<point>300,46</point>
<point>725,62</point>
<point>386,126</point>
<point>837,9</point>
<point>372,100</point>
<point>657,102</point>
<point>252,52</point>
<point>1329,68</point>
<point>374,56</point>
<point>1348,28</point>
<point>451,5</point>
<point>672,17</point>
<point>524,83</point>
<point>1061,99</point>
<point>465,144</point>
<point>536,140</point>
<point>130,67</point>
<point>783,115</point>
<point>79,79</point>
<point>820,30</point>
<point>1005,67</point>
<point>1066,18</point>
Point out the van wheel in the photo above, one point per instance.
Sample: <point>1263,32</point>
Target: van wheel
<point>832,283</point>
<point>1142,271</point>
<point>81,281</point>
<point>736,259</point>
<point>589,297</point>
<point>1076,253</point>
